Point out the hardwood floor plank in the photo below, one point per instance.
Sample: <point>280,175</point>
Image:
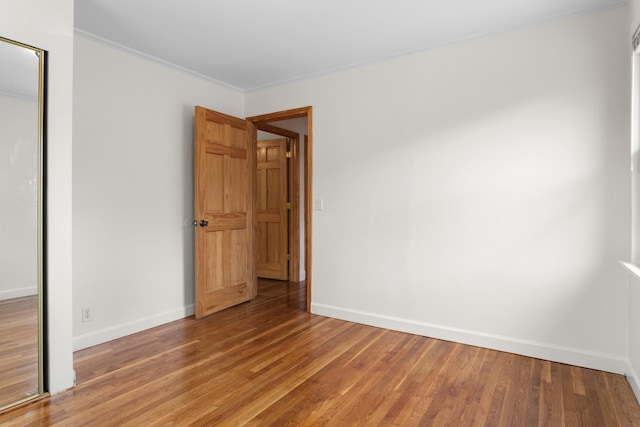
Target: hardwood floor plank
<point>495,408</point>
<point>623,400</point>
<point>376,387</point>
<point>399,390</point>
<point>311,399</point>
<point>444,387</point>
<point>424,383</point>
<point>569,402</point>
<point>533,404</point>
<point>486,386</point>
<point>518,391</point>
<point>589,407</point>
<point>578,382</point>
<point>287,381</point>
<point>18,349</point>
<point>267,362</point>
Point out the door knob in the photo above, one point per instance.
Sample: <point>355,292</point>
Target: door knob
<point>203,223</point>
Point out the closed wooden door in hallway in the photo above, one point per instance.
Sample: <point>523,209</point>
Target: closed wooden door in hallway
<point>272,210</point>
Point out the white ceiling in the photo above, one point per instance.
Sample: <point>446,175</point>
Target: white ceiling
<point>249,44</point>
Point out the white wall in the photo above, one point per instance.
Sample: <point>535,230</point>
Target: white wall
<point>18,196</point>
<point>478,192</point>
<point>133,204</point>
<point>634,256</point>
<point>48,24</point>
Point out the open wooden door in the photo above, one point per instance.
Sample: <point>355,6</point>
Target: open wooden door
<point>224,182</point>
<point>273,210</point>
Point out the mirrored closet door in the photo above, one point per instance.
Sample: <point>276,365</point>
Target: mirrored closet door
<point>21,221</point>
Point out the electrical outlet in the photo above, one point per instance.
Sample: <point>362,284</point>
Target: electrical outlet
<point>86,314</point>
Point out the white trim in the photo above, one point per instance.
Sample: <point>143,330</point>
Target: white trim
<point>18,293</point>
<point>118,331</point>
<point>555,353</point>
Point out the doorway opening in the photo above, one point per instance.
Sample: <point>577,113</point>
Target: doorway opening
<point>290,124</point>
<point>278,203</point>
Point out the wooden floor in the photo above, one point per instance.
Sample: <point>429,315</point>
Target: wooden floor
<point>267,362</point>
<point>18,349</point>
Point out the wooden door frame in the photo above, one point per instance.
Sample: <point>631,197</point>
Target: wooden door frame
<point>297,113</point>
<point>293,184</point>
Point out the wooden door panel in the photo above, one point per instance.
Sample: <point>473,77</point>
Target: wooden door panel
<point>237,185</point>
<point>262,243</point>
<point>261,178</point>
<point>274,197</point>
<point>213,242</point>
<point>213,183</point>
<point>214,131</point>
<point>228,297</point>
<point>224,163</point>
<point>237,138</point>
<point>238,249</point>
<point>271,206</point>
<point>221,222</point>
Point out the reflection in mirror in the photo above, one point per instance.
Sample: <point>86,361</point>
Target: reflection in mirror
<point>21,221</point>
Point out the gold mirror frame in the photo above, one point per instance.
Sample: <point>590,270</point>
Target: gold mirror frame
<point>40,224</point>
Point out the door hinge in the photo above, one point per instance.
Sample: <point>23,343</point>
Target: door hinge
<point>288,257</point>
<point>287,154</point>
<point>288,205</point>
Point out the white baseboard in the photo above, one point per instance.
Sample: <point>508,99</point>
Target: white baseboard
<point>18,293</point>
<point>118,331</point>
<point>571,356</point>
